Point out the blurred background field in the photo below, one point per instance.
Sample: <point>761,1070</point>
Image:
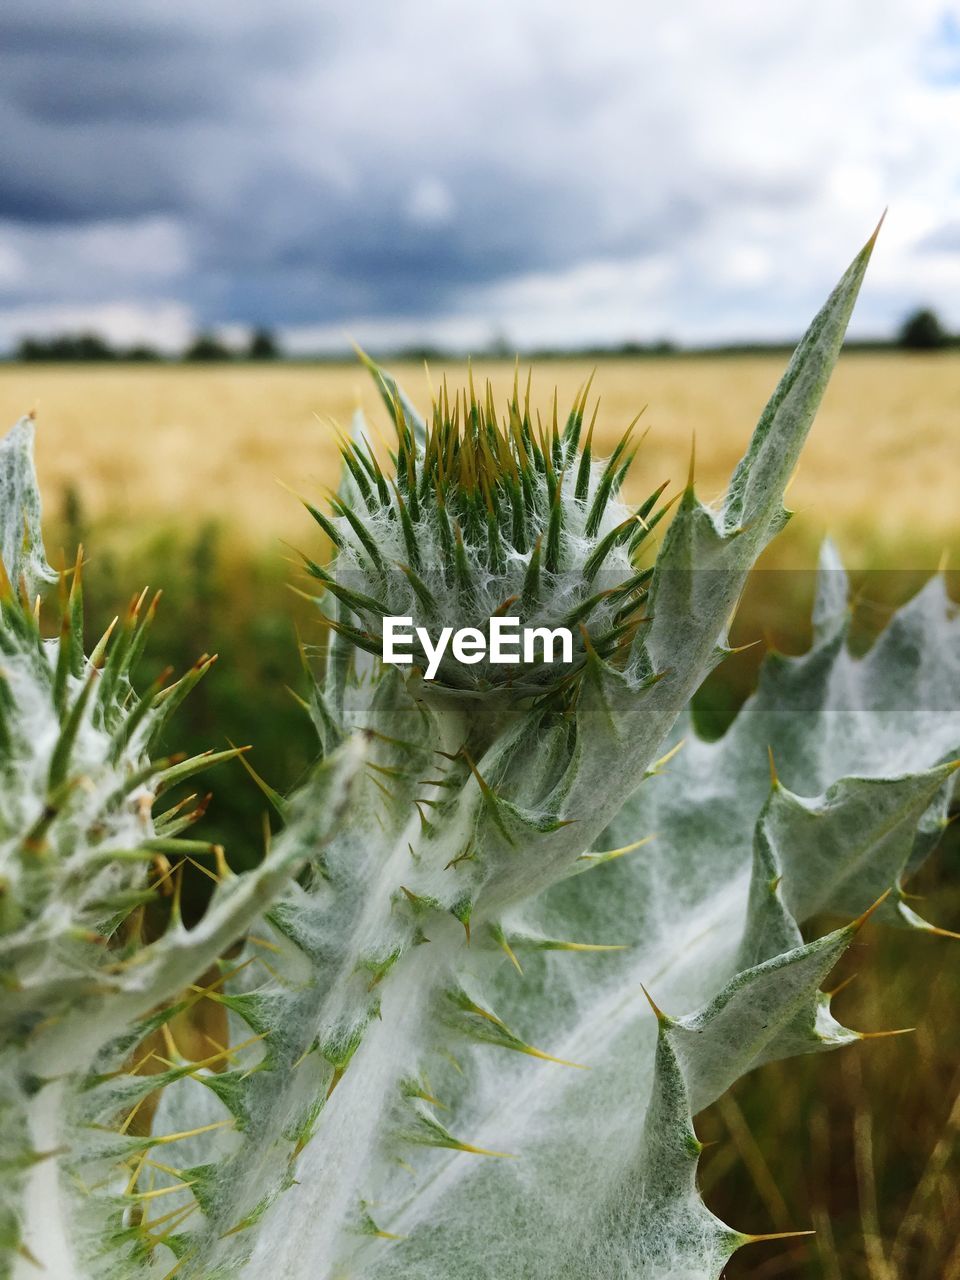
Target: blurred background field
<point>168,475</point>
<point>145,446</point>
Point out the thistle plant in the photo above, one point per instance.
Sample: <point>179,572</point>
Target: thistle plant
<point>483,518</point>
<point>519,926</point>
<point>82,853</point>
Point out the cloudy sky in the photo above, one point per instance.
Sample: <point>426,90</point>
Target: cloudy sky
<point>545,171</point>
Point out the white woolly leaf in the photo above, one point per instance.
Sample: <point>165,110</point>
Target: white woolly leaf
<point>21,543</point>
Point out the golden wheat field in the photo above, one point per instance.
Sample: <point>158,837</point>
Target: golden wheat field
<point>143,445</point>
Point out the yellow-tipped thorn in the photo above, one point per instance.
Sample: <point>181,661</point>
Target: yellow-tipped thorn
<point>841,986</point>
<point>591,946</point>
<point>159,1191</point>
<point>181,1261</point>
<point>361,354</point>
<point>470,1149</point>
<point>665,759</point>
<point>876,231</point>
<point>531,1052</point>
<point>774,779</point>
<point>262,942</point>
<point>100,649</point>
<point>191,1133</point>
<point>693,462</point>
<point>664,1019</point>
<point>434,1102</point>
<point>883,1035</point>
<point>304,595</point>
<point>22,1249</point>
<point>938,932</point>
<point>509,952</point>
<point>609,854</point>
<point>430,388</point>
<point>742,648</point>
<point>856,925</point>
<point>305,502</point>
<point>776,1235</point>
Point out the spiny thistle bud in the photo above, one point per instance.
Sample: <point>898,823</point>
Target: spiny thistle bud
<point>484,517</point>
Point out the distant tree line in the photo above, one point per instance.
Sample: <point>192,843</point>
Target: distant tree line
<point>205,347</point>
<point>79,346</point>
<point>922,330</point>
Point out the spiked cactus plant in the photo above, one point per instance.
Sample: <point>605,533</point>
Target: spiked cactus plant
<point>443,1058</point>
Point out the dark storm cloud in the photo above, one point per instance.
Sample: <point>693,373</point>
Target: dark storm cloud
<point>308,162</point>
<point>294,213</point>
<point>319,252</point>
<point>84,107</point>
<point>126,110</point>
<point>122,64</point>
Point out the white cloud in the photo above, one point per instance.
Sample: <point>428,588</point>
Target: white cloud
<point>456,332</point>
<point>600,301</point>
<point>757,145</point>
<point>165,325</point>
<point>13,269</point>
<point>430,203</point>
<point>108,256</point>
